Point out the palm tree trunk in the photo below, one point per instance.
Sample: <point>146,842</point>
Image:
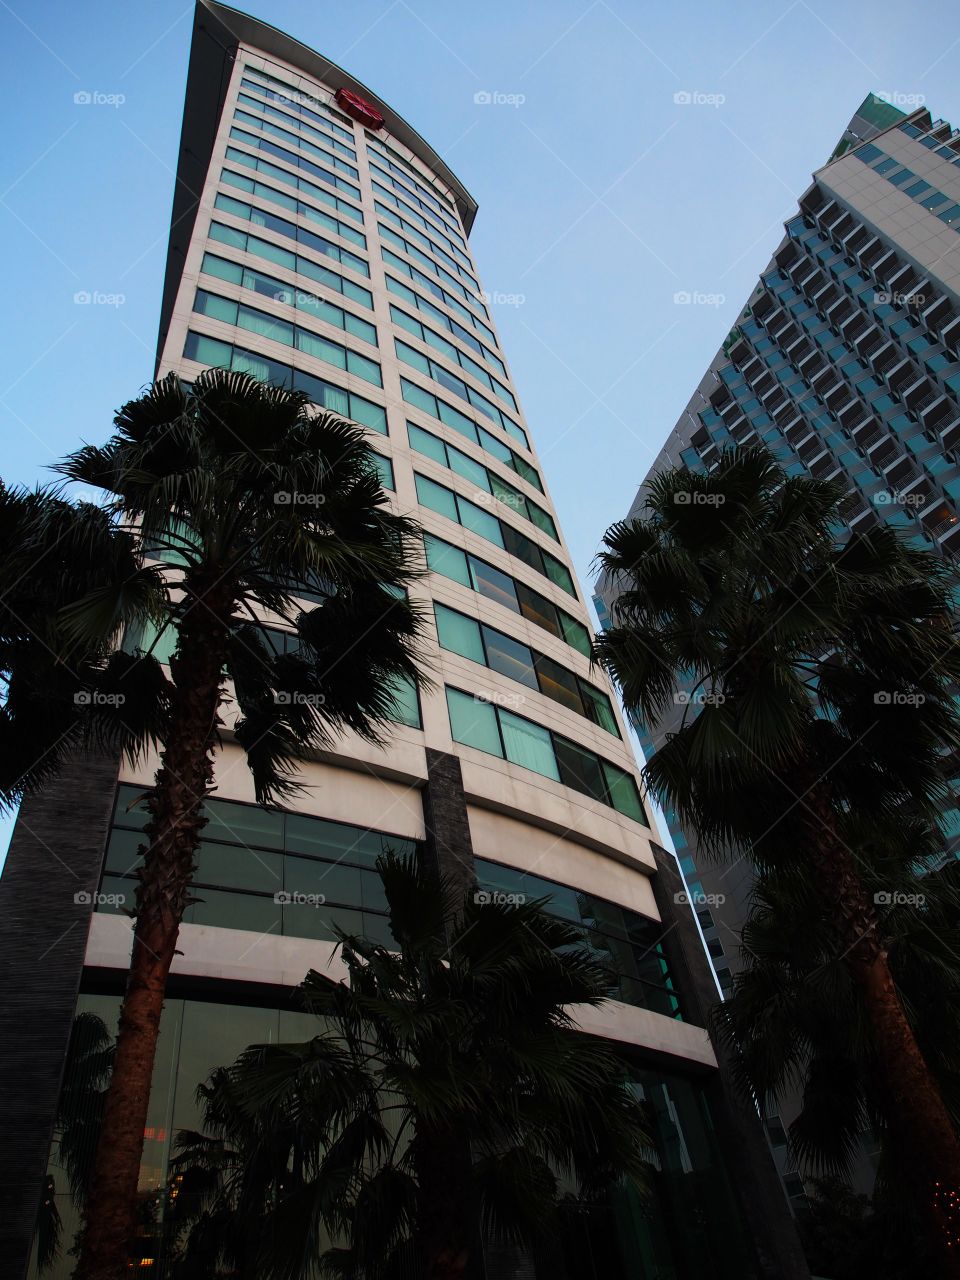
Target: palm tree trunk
<point>182,782</point>
<point>445,1224</point>
<point>920,1126</point>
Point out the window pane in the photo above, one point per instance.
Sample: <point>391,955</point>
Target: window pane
<point>480,521</point>
<point>447,560</point>
<point>384,470</point>
<point>508,495</point>
<point>493,584</point>
<point>495,446</point>
<point>427,443</point>
<point>312,344</point>
<point>220,267</point>
<point>368,414</point>
<point>406,704</point>
<point>543,520</point>
<point>436,497</point>
<point>234,911</point>
<point>623,792</point>
<point>459,634</point>
<point>244,824</point>
<point>473,723</point>
<point>361,367</point>
<point>558,683</point>
<point>528,745</point>
<point>211,304</point>
<point>558,573</point>
<point>470,470</point>
<point>575,633</point>
<point>519,545</point>
<point>232,868</point>
<point>509,657</point>
<point>598,707</point>
<point>580,769</point>
<point>538,609</point>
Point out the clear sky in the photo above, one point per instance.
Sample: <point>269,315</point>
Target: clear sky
<point>602,192</point>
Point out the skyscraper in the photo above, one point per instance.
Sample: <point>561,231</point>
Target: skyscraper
<point>845,362</point>
<point>320,243</point>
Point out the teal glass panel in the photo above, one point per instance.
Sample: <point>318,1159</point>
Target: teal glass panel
<point>444,559</point>
<point>528,745</point>
<point>459,634</point>
<point>436,497</point>
<point>480,521</point>
<point>473,723</point>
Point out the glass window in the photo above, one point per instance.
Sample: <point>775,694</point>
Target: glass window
<point>509,657</point>
<point>538,609</point>
<point>473,723</point>
<point>575,633</point>
<point>384,469</point>
<point>406,703</point>
<point>523,548</point>
<point>623,792</point>
<point>233,868</point>
<point>448,560</point>
<point>480,521</point>
<point>436,497</point>
<point>469,469</point>
<point>559,684</point>
<point>368,414</point>
<point>361,367</point>
<point>580,769</point>
<point>427,443</point>
<point>493,584</point>
<point>529,745</point>
<point>598,708</point>
<point>558,573</point>
<point>244,823</point>
<point>459,634</point>
<point>211,304</point>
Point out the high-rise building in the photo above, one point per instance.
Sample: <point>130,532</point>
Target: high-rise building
<point>845,362</point>
<point>320,243</point>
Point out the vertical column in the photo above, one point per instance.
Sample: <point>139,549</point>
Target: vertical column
<point>46,901</point>
<point>756,1183</point>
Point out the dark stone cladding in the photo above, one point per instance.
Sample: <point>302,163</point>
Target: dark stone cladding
<point>56,852</point>
<point>448,845</point>
<point>755,1182</point>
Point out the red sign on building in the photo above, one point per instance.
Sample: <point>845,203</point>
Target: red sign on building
<point>359,108</point>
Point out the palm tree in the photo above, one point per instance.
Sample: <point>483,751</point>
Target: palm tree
<point>251,502</point>
<point>447,1091</point>
<point>818,680</point>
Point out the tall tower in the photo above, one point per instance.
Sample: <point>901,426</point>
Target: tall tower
<point>320,243</point>
<point>845,362</point>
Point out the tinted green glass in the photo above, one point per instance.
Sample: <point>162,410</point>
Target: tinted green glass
<point>623,792</point>
<point>427,443</point>
<point>480,521</point>
<point>473,723</point>
<point>243,823</point>
<point>436,497</point>
<point>459,633</point>
<point>468,468</point>
<point>493,584</point>
<point>529,745</point>
<point>509,657</point>
<point>447,560</point>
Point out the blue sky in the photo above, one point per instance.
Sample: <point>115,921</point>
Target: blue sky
<point>601,196</point>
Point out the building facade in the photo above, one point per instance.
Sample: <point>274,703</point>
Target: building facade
<point>845,362</point>
<point>318,242</point>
